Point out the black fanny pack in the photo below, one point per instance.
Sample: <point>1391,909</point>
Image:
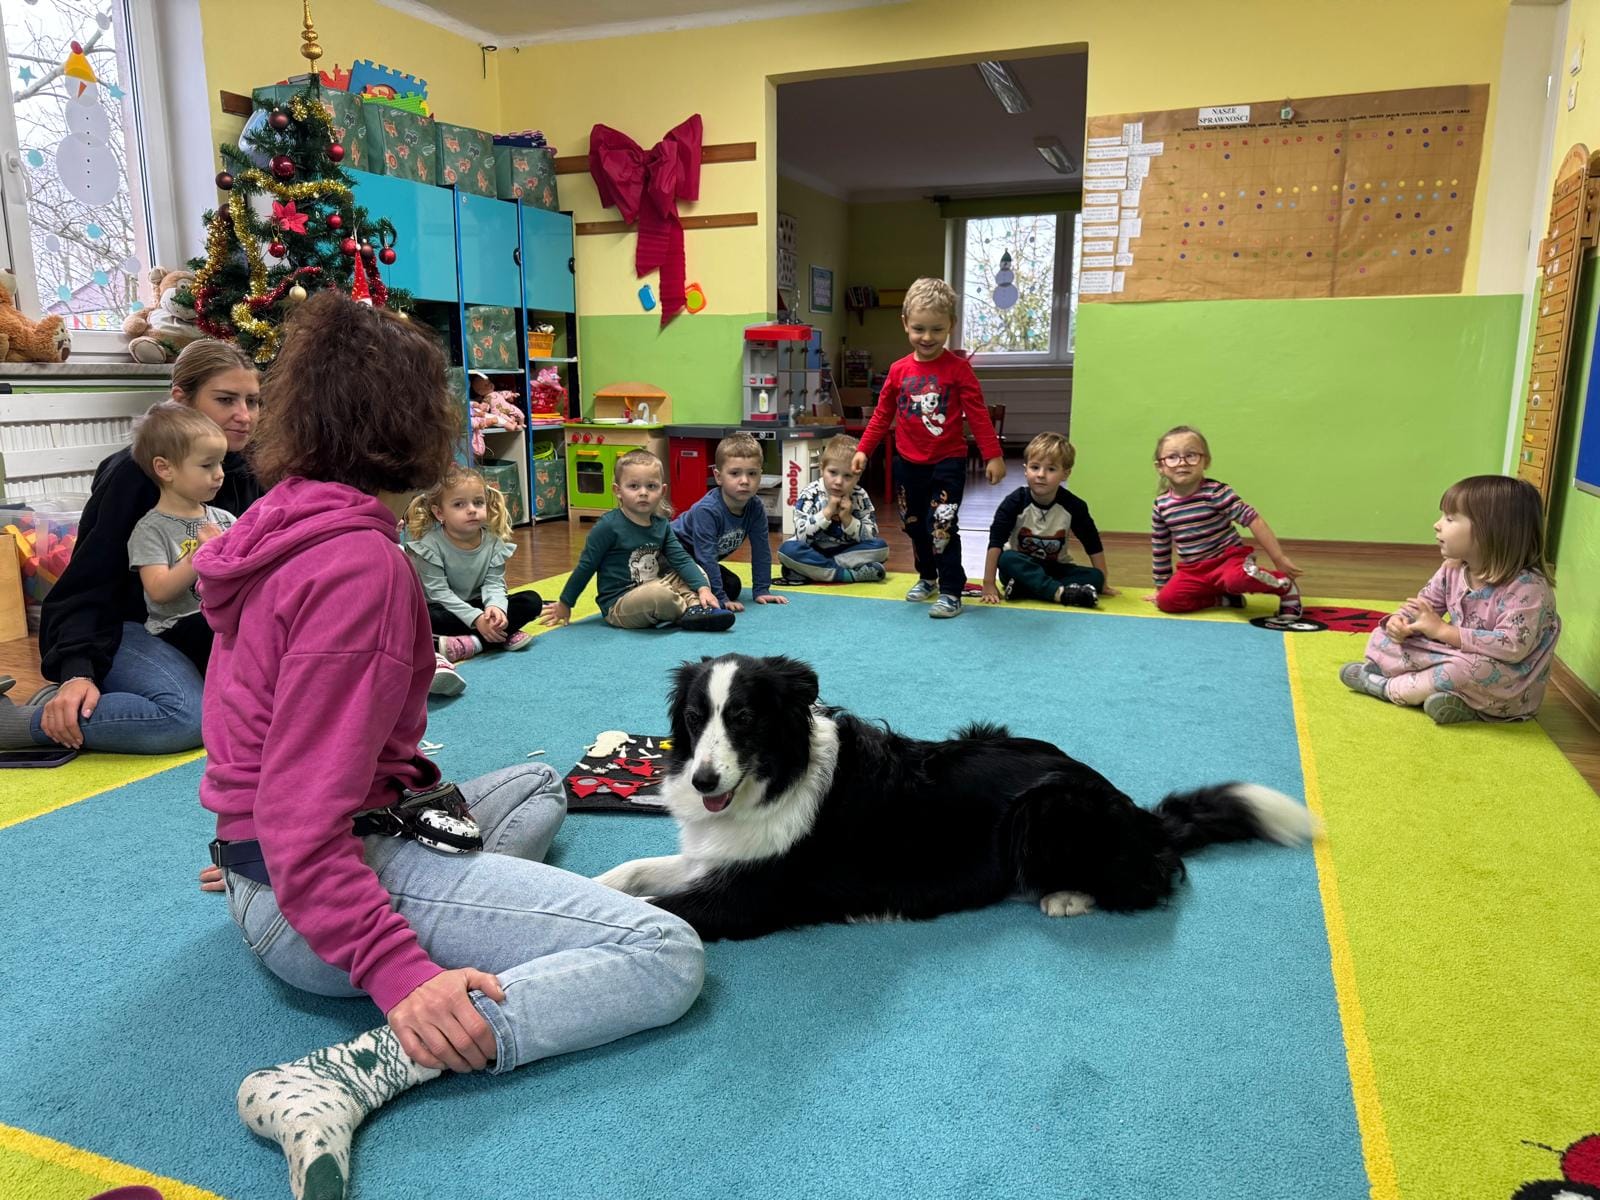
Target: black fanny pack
<point>437,818</point>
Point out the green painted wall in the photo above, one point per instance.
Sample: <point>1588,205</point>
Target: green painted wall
<point>890,245</point>
<point>1574,515</point>
<point>697,360</point>
<point>821,221</point>
<point>1338,419</point>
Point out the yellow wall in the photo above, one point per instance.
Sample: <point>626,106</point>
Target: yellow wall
<point>1151,55</point>
<point>248,45</point>
<point>890,245</point>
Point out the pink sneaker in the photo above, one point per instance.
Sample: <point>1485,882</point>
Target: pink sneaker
<point>519,640</point>
<point>459,648</point>
<point>447,680</point>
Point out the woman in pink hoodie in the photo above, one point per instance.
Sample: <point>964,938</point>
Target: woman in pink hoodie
<point>315,702</point>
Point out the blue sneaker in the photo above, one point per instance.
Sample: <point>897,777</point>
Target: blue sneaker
<point>699,619</point>
<point>946,606</point>
<point>923,589</point>
<point>869,572</point>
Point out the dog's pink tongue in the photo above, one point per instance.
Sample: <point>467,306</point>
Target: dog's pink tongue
<point>717,803</point>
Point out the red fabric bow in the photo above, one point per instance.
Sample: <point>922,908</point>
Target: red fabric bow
<point>646,187</point>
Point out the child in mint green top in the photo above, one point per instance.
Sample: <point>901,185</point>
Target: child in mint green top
<point>625,552</point>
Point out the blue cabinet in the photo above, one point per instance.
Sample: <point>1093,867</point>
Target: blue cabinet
<point>547,260</point>
<point>424,221</point>
<point>488,251</point>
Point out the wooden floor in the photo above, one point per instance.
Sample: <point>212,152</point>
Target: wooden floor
<point>1382,572</point>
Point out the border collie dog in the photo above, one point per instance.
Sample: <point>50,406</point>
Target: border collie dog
<point>791,813</point>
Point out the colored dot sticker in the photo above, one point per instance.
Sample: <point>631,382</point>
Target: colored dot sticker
<point>35,159</point>
<point>94,231</point>
<point>101,278</point>
<point>64,292</point>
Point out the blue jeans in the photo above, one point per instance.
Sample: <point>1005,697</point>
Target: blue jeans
<point>149,700</point>
<point>805,559</point>
<point>580,964</point>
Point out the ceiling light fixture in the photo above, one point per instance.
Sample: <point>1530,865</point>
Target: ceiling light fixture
<point>1054,153</point>
<point>1004,86</point>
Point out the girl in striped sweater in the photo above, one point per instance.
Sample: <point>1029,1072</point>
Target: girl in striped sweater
<point>1196,516</point>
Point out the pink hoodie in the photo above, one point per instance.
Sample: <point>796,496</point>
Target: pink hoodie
<point>315,700</point>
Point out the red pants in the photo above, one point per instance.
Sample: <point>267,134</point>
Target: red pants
<point>1194,586</point>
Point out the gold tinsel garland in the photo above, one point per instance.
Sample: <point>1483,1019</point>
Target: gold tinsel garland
<point>238,215</point>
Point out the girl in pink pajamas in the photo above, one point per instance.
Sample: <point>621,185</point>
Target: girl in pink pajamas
<point>1491,660</point>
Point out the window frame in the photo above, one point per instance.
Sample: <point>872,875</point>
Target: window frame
<point>154,34</point>
<point>1060,353</point>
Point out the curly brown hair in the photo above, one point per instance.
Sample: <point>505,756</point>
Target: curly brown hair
<point>356,396</point>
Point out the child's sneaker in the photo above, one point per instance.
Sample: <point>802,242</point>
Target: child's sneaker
<point>458,648</point>
<point>1358,677</point>
<point>519,640</point>
<point>869,572</point>
<point>946,606</point>
<point>1078,595</point>
<point>699,619</point>
<point>1447,708</point>
<point>923,589</point>
<point>1289,603</point>
<point>447,680</point>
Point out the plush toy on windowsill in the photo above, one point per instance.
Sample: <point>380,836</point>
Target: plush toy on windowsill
<point>156,335</point>
<point>22,340</point>
<point>492,408</point>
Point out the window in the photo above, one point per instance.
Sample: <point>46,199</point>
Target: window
<point>1016,278</point>
<point>75,179</point>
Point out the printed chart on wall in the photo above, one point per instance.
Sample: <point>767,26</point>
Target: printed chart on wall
<point>1360,195</point>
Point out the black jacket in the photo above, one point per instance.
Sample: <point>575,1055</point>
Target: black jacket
<point>81,625</point>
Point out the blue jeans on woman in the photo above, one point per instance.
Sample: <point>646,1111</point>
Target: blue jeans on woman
<point>149,700</point>
<point>580,964</point>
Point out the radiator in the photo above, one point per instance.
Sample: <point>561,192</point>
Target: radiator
<point>1033,405</point>
<point>52,441</point>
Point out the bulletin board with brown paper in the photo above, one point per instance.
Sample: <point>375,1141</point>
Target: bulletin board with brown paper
<point>1367,194</point>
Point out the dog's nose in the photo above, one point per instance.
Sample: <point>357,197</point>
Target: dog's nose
<point>705,781</point>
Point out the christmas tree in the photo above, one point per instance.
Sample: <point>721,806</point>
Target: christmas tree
<point>288,226</point>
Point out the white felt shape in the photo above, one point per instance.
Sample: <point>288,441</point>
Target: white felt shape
<point>608,743</point>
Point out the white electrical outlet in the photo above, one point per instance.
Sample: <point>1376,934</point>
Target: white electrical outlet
<point>1576,64</point>
<point>1572,96</point>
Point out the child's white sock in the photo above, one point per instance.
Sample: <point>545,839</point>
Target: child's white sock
<point>311,1106</point>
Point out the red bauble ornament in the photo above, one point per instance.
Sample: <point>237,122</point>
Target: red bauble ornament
<point>279,120</point>
<point>225,180</point>
<point>348,247</point>
<point>336,152</point>
<point>277,249</point>
<point>366,251</point>
<point>282,166</point>
<point>386,256</point>
<point>335,221</point>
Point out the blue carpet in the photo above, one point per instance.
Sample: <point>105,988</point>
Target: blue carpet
<point>1186,1053</point>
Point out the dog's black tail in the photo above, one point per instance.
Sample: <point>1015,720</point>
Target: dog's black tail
<point>1234,812</point>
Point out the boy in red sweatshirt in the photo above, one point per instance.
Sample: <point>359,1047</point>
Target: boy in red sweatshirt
<point>930,390</point>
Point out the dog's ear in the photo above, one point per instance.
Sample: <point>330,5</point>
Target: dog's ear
<point>795,679</point>
<point>683,680</point>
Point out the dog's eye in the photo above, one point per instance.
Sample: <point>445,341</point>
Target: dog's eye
<point>695,718</point>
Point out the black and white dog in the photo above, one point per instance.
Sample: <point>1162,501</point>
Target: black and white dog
<point>791,813</point>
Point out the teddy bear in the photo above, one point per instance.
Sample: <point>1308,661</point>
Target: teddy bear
<point>22,340</point>
<point>155,335</point>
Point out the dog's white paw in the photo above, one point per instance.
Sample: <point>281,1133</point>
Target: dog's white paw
<point>1066,904</point>
<point>625,878</point>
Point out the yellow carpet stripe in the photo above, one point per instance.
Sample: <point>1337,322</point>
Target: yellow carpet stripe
<point>1358,1052</point>
<point>108,1171</point>
<point>58,787</point>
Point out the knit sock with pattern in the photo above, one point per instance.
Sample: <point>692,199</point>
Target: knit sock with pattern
<point>311,1106</point>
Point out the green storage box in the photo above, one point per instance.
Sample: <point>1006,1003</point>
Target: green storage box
<point>343,109</point>
<point>466,159</point>
<point>502,475</point>
<point>549,478</point>
<point>492,338</point>
<point>401,144</point>
<point>528,174</point>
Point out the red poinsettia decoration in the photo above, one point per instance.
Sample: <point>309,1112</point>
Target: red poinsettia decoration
<point>285,217</point>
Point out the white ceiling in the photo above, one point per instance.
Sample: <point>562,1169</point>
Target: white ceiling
<point>507,23</point>
<point>903,134</point>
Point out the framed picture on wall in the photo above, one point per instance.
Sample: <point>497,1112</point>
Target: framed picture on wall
<point>787,270</point>
<point>786,232</point>
<point>821,290</point>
